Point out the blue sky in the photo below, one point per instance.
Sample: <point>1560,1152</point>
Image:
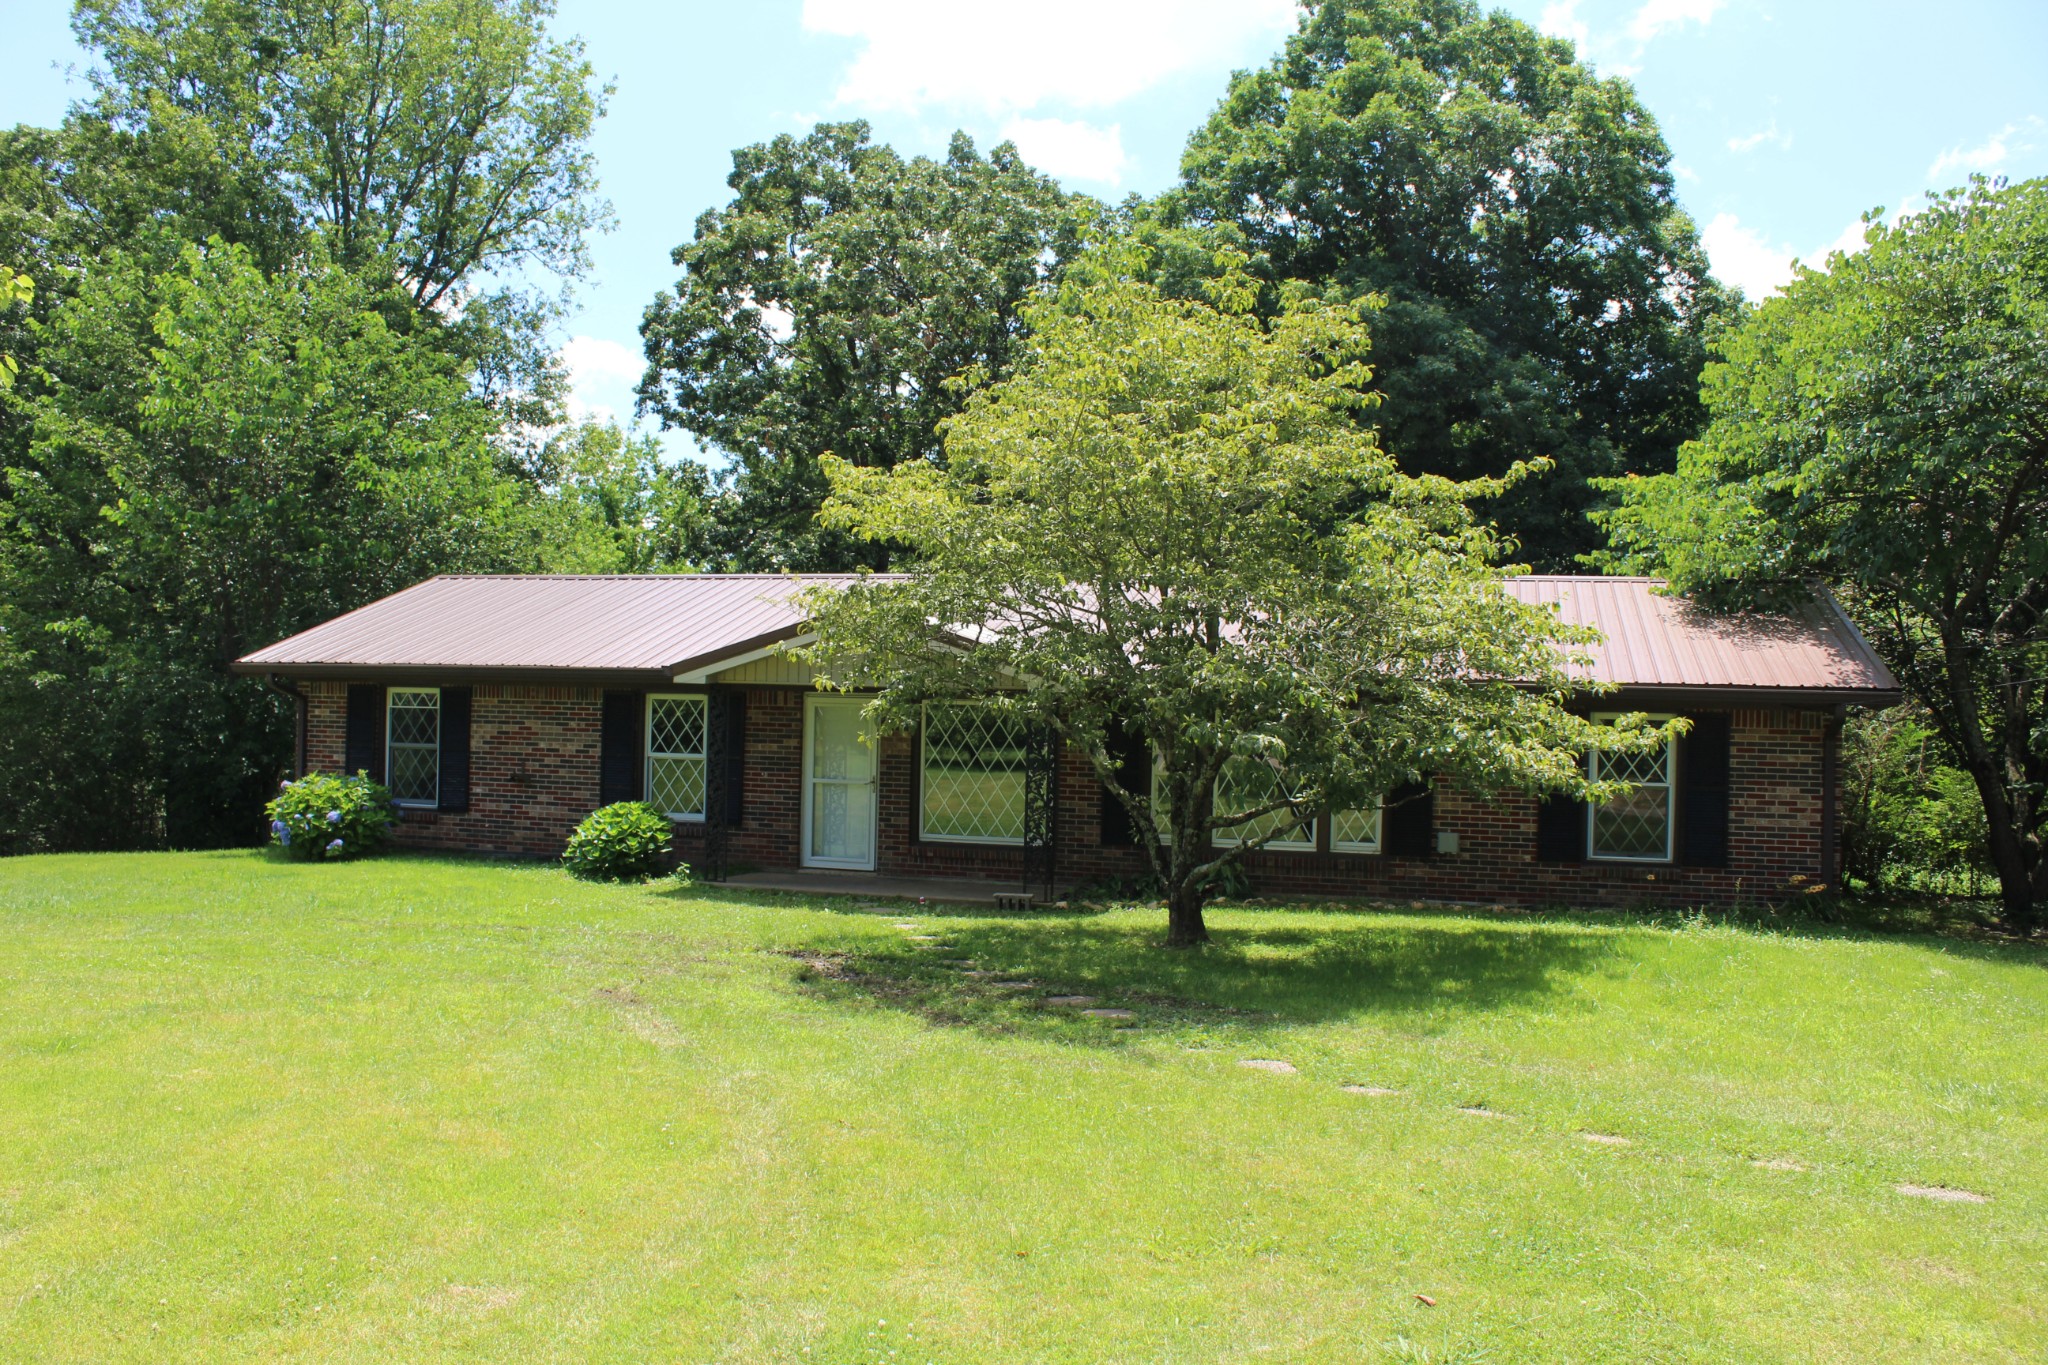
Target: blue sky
<point>1787,118</point>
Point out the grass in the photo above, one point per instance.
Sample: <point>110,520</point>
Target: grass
<point>428,1110</point>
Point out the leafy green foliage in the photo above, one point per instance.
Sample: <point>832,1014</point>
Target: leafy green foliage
<point>622,507</point>
<point>218,458</point>
<point>825,308</point>
<point>15,287</point>
<point>625,841</point>
<point>441,138</point>
<point>1883,427</point>
<point>1544,295</point>
<point>1910,820</point>
<point>328,816</point>
<point>1171,519</point>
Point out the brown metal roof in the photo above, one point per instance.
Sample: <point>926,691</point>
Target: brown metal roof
<point>1657,641</point>
<point>583,623</point>
<point>656,625</point>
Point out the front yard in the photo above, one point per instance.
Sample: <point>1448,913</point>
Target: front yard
<point>420,1110</point>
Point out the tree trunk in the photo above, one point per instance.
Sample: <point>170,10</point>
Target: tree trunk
<point>1184,927</point>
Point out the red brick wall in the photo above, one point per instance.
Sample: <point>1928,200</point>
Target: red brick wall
<point>534,774</point>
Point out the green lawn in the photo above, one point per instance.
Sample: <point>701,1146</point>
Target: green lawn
<point>419,1110</point>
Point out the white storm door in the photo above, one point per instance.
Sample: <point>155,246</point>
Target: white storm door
<point>839,786</point>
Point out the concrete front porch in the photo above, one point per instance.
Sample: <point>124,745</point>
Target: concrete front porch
<point>874,886</point>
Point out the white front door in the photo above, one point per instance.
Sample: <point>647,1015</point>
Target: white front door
<point>839,785</point>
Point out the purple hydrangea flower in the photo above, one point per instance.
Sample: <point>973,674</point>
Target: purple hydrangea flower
<point>334,817</point>
<point>334,847</point>
<point>277,826</point>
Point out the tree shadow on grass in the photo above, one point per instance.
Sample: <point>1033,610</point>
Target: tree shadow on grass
<point>1002,973</point>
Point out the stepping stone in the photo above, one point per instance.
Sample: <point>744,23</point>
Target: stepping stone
<point>1367,1090</point>
<point>924,938</point>
<point>1777,1163</point>
<point>1070,1000</point>
<point>1605,1139</point>
<point>904,926</point>
<point>957,961</point>
<point>1013,985</point>
<point>1109,1014</point>
<point>1943,1193</point>
<point>1480,1111</point>
<point>1278,1068</point>
<point>979,976</point>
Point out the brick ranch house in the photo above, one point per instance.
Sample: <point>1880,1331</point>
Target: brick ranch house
<point>500,710</point>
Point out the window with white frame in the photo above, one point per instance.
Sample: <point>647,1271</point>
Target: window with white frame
<point>1356,831</point>
<point>675,755</point>
<point>412,754</point>
<point>972,775</point>
<point>1635,827</point>
<point>1249,782</point>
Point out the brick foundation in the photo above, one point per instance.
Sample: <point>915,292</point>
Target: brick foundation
<point>534,775</point>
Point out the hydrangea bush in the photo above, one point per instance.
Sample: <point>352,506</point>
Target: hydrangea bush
<point>625,841</point>
<point>323,815</point>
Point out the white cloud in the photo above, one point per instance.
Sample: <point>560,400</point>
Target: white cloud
<point>1658,15</point>
<point>1001,60</point>
<point>1560,19</point>
<point>1987,157</point>
<point>1684,172</point>
<point>1744,257</point>
<point>1067,149</point>
<point>1849,243</point>
<point>1755,140</point>
<point>601,373</point>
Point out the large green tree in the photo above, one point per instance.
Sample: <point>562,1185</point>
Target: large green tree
<point>827,307</point>
<point>220,456</point>
<point>1544,294</point>
<point>300,259</point>
<point>1882,427</point>
<point>1171,521</point>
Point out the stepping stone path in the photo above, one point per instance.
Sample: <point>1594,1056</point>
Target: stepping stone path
<point>1777,1163</point>
<point>1480,1111</point>
<point>1278,1068</point>
<point>1368,1090</point>
<point>1109,1014</point>
<point>1013,985</point>
<point>1943,1193</point>
<point>905,926</point>
<point>1605,1139</point>
<point>1070,1000</point>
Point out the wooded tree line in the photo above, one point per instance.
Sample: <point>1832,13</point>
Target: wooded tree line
<point>296,267</point>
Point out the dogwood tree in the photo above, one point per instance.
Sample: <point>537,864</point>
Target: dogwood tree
<point>1169,523</point>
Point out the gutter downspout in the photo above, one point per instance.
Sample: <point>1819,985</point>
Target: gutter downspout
<point>277,684</point>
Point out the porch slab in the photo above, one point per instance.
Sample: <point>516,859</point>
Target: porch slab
<point>874,886</point>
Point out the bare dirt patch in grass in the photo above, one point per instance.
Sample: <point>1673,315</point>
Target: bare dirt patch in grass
<point>1374,1090</point>
<point>1606,1139</point>
<point>1277,1067</point>
<point>1946,1194</point>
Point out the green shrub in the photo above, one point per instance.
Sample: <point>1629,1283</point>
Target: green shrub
<point>323,815</point>
<point>625,841</point>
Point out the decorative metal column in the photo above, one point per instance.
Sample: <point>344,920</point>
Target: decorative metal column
<point>717,741</point>
<point>1041,807</point>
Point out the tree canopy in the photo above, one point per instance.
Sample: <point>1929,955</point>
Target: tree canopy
<point>1882,427</point>
<point>1544,295</point>
<point>289,355</point>
<point>1170,521</point>
<point>825,309</point>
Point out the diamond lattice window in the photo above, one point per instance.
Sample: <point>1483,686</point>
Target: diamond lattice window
<point>1635,827</point>
<point>973,775</point>
<point>675,756</point>
<point>1355,831</point>
<point>1247,783</point>
<point>412,767</point>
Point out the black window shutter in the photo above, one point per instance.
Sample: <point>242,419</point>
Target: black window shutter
<point>1410,821</point>
<point>1703,793</point>
<point>1560,830</point>
<point>454,796</point>
<point>735,756</point>
<point>1133,759</point>
<point>619,760</point>
<point>363,745</point>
